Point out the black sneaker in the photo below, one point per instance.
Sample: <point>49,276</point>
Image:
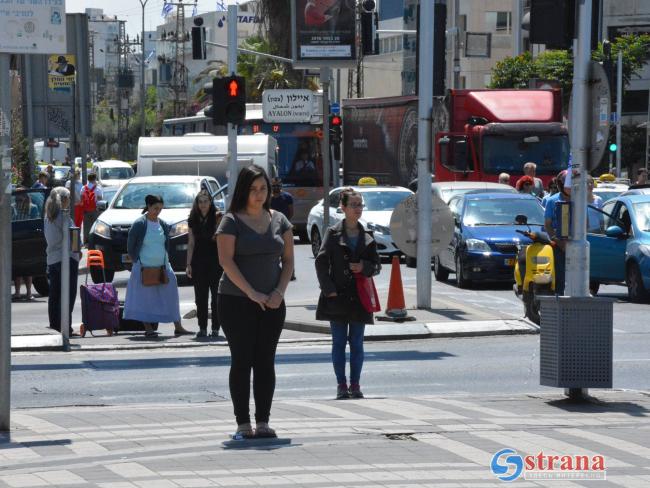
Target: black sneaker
<point>342,392</point>
<point>214,334</point>
<point>355,391</point>
<point>201,333</point>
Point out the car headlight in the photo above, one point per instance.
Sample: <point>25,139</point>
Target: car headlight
<point>477,245</point>
<point>179,228</point>
<point>102,229</point>
<point>379,229</point>
<point>645,249</point>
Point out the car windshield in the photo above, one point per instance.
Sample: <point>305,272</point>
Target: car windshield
<point>378,201</point>
<point>450,193</point>
<point>607,194</point>
<point>60,173</point>
<point>109,193</point>
<point>502,211</point>
<point>642,212</point>
<point>509,154</point>
<point>175,195</point>
<point>116,173</point>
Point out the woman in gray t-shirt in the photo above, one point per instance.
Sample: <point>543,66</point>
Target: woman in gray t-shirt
<point>256,252</point>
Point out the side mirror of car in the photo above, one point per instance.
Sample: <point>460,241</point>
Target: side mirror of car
<point>615,231</point>
<point>101,205</point>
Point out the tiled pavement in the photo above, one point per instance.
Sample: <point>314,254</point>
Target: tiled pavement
<point>432,441</point>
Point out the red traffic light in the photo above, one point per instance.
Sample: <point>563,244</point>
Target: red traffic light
<point>233,88</point>
<point>336,120</point>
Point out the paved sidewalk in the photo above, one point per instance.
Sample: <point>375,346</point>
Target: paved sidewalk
<point>426,441</point>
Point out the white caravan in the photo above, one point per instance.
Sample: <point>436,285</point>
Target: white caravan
<point>203,155</point>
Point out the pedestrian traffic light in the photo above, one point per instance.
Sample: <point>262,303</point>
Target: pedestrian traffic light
<point>335,129</point>
<point>198,39</point>
<point>369,22</point>
<point>228,100</point>
<point>613,147</point>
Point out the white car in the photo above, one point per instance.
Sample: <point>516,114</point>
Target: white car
<point>112,172</point>
<point>608,190</point>
<point>379,201</point>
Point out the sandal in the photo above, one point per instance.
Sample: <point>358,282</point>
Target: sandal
<point>244,431</point>
<point>151,333</point>
<point>264,431</point>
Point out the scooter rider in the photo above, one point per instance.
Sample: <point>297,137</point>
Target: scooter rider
<point>552,227</point>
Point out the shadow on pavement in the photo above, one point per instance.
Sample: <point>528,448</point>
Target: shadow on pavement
<point>210,361</point>
<point>594,405</point>
<point>258,444</point>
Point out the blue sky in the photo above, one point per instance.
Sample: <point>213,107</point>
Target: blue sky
<point>131,10</point>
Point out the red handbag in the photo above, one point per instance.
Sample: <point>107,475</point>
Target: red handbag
<point>367,293</point>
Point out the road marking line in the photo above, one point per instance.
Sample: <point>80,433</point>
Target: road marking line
<point>621,445</point>
<point>409,409</point>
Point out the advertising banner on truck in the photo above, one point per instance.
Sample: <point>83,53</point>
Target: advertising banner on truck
<point>323,33</point>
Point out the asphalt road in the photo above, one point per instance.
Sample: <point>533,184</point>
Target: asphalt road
<point>503,364</point>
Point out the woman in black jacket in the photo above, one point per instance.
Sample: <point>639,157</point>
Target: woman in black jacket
<point>347,249</point>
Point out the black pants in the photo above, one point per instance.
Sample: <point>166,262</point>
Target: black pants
<point>54,299</point>
<point>205,286</point>
<point>253,336</point>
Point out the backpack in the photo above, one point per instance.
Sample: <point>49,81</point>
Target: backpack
<point>88,200</point>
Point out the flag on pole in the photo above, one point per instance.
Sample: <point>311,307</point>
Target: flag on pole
<point>221,6</point>
<point>194,10</point>
<point>167,8</point>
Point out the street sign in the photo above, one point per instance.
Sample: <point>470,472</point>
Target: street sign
<point>335,108</point>
<point>32,27</point>
<point>599,102</point>
<point>287,106</point>
<point>52,143</point>
<point>404,226</point>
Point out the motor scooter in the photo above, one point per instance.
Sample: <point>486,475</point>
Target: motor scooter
<point>534,270</point>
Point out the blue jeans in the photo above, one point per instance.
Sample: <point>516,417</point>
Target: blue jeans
<point>342,333</point>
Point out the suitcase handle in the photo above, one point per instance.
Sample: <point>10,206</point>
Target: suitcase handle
<point>95,257</point>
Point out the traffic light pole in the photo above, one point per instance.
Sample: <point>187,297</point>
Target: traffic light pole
<point>325,148</point>
<point>233,170</point>
<point>619,110</point>
<point>5,250</point>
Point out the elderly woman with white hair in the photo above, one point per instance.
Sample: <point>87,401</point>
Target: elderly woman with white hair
<point>57,202</point>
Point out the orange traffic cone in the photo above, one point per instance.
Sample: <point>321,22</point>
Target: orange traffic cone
<point>396,306</point>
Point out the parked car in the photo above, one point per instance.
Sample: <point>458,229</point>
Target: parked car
<point>110,231</point>
<point>446,190</point>
<point>379,201</point>
<point>620,251</point>
<point>637,190</point>
<point>484,245</point>
<point>609,190</point>
<point>28,244</point>
<point>112,172</point>
<point>61,174</point>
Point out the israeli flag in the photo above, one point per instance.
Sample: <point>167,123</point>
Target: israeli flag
<point>221,6</point>
<point>167,8</point>
<point>194,10</point>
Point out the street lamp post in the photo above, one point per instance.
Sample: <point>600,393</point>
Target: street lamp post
<point>143,95</point>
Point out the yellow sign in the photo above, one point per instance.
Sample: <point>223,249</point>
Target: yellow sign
<point>61,71</point>
<point>367,181</point>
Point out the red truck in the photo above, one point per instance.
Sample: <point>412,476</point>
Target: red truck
<point>476,134</point>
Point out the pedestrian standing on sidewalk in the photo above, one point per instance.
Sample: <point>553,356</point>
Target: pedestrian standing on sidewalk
<point>58,201</point>
<point>347,249</point>
<point>203,266</point>
<point>78,186</point>
<point>256,253</point>
<point>91,193</point>
<point>152,300</point>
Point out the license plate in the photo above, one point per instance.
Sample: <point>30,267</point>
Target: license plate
<point>126,259</point>
<point>509,262</point>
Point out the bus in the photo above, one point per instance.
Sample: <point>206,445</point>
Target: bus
<point>298,159</point>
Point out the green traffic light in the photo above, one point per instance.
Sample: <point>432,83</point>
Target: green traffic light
<point>613,147</point>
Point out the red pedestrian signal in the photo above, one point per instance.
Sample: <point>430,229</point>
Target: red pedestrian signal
<point>233,88</point>
<point>228,100</point>
<point>336,121</point>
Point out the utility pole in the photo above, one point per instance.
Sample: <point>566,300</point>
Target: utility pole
<point>456,64</point>
<point>325,75</point>
<point>233,165</point>
<point>425,108</point>
<point>5,250</point>
<point>619,110</point>
<point>143,94</point>
<point>517,9</point>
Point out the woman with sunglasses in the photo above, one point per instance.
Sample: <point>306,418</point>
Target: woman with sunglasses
<point>203,260</point>
<point>347,249</point>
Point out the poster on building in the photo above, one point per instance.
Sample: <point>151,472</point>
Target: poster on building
<point>32,27</point>
<point>61,71</point>
<point>323,33</point>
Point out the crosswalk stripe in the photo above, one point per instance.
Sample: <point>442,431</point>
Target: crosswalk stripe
<point>327,409</point>
<point>619,444</point>
<point>471,453</point>
<point>530,443</point>
<point>409,409</point>
<point>470,406</point>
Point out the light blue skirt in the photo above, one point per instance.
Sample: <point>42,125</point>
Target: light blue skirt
<point>151,303</point>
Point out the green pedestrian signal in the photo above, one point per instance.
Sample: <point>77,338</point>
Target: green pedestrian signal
<point>613,147</point>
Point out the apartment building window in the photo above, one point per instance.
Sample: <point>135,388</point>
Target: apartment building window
<point>499,22</point>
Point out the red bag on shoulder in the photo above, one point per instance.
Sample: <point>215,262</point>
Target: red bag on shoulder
<point>367,293</point>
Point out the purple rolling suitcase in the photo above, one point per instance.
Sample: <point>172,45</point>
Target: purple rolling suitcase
<point>100,307</point>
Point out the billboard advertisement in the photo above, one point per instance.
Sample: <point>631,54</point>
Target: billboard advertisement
<point>323,33</point>
<point>61,71</point>
<point>34,27</point>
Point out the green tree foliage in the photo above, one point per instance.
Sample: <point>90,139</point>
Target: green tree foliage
<point>513,72</point>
